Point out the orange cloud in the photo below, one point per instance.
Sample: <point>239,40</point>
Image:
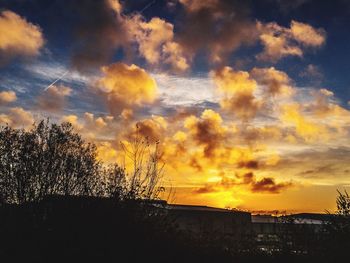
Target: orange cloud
<point>151,36</point>
<point>276,42</point>
<point>17,117</point>
<point>107,152</point>
<point>306,34</point>
<point>276,82</point>
<point>152,129</point>
<point>155,41</point>
<point>264,185</point>
<point>53,99</point>
<point>124,87</point>
<point>238,92</point>
<point>73,119</point>
<point>174,56</point>
<point>7,97</point>
<point>206,130</point>
<point>92,127</point>
<point>18,37</point>
<point>280,41</point>
<point>268,185</point>
<point>307,129</point>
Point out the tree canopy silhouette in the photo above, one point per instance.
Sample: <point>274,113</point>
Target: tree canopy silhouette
<point>52,159</point>
<point>46,160</point>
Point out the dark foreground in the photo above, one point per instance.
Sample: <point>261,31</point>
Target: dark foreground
<point>76,229</point>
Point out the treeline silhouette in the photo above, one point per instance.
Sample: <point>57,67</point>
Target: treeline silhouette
<point>52,159</point>
<point>59,203</point>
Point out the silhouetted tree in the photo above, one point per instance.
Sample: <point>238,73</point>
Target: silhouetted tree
<point>343,204</point>
<point>52,159</point>
<point>144,180</point>
<point>337,231</point>
<point>47,159</point>
<point>113,181</point>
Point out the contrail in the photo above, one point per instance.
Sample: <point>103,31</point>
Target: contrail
<point>56,80</point>
<point>147,6</point>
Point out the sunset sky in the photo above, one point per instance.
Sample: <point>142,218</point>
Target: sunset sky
<point>249,100</point>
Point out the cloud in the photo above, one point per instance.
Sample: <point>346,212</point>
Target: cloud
<point>107,152</point>
<point>308,129</point>
<point>216,28</point>
<point>206,130</point>
<point>7,97</point>
<point>174,56</point>
<point>54,98</point>
<point>307,35</point>
<point>251,164</point>
<point>268,185</point>
<point>327,164</point>
<point>95,128</point>
<point>276,43</point>
<point>279,41</point>
<point>181,91</point>
<point>248,180</point>
<point>18,37</point>
<point>276,82</point>
<point>153,129</point>
<point>125,87</point>
<point>238,90</point>
<point>150,36</point>
<point>195,5</point>
<point>103,28</point>
<point>17,117</point>
<point>100,30</point>
<point>155,41</point>
<point>73,119</point>
<point>313,73</point>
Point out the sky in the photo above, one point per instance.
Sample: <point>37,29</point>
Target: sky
<point>249,100</point>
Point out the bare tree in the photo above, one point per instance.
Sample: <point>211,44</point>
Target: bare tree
<point>144,181</point>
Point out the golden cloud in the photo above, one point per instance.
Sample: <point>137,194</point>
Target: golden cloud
<point>125,87</point>
<point>155,41</point>
<point>18,37</point>
<point>152,129</point>
<point>107,152</point>
<point>17,117</point>
<point>238,92</point>
<point>174,56</point>
<point>307,35</point>
<point>307,129</point>
<point>276,82</point>
<point>73,119</point>
<point>280,41</point>
<point>92,127</point>
<point>7,97</point>
<point>263,185</point>
<point>268,185</point>
<point>206,130</point>
<point>276,42</point>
